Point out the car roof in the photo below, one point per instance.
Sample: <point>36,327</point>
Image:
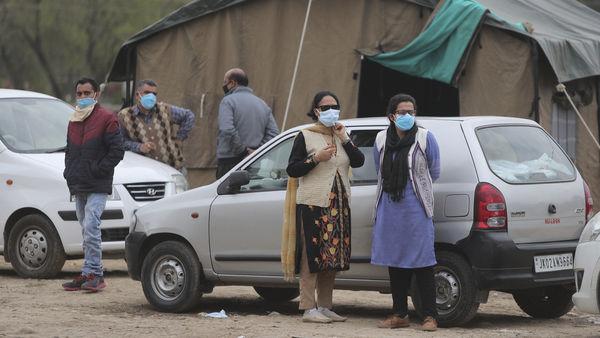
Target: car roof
<point>473,121</point>
<point>14,93</point>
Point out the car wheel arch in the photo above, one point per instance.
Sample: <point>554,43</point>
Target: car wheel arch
<point>14,218</point>
<point>154,239</point>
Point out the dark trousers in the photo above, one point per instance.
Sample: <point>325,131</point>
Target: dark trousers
<point>400,284</point>
<point>226,164</point>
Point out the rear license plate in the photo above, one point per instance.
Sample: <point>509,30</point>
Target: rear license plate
<point>550,263</point>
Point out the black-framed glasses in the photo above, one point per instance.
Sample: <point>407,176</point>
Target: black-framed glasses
<point>404,112</point>
<point>145,92</point>
<point>327,107</point>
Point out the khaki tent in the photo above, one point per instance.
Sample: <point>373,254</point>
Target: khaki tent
<point>511,65</point>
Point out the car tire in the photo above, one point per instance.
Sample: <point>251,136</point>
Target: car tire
<point>545,302</point>
<point>34,248</point>
<point>277,295</point>
<point>171,277</point>
<point>456,290</point>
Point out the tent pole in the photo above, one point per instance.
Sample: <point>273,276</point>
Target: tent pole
<point>535,105</point>
<point>289,99</point>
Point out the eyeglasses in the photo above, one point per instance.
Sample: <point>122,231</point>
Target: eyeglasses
<point>404,112</point>
<point>145,92</point>
<point>84,93</point>
<point>327,107</point>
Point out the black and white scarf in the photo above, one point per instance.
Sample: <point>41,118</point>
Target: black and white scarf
<point>394,170</point>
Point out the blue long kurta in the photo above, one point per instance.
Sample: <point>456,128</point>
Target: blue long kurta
<point>403,235</point>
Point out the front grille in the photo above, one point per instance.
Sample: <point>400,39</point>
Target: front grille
<point>114,234</point>
<point>143,192</point>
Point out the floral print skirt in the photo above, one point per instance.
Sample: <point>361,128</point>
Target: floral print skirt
<point>326,232</point>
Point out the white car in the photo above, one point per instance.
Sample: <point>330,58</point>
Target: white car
<point>587,268</point>
<point>37,215</point>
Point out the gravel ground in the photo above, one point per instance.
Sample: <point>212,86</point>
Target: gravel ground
<point>40,308</point>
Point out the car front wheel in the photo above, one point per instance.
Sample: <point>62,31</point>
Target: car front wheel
<point>545,302</point>
<point>35,249</point>
<point>171,277</point>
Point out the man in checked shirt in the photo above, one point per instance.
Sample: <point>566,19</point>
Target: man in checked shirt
<point>147,126</point>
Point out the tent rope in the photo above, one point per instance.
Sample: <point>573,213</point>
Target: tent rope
<point>562,88</point>
<point>289,99</point>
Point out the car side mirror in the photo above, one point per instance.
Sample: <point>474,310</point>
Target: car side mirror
<point>233,183</point>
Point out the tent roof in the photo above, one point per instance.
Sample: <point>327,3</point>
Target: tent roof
<point>567,31</point>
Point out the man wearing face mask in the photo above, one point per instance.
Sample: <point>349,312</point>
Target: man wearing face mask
<point>147,126</point>
<point>245,122</point>
<point>94,148</point>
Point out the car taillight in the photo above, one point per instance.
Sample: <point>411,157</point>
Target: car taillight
<point>589,203</point>
<point>490,208</point>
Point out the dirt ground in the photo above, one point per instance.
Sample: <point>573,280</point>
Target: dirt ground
<point>40,308</point>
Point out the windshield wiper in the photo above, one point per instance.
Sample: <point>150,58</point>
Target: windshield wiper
<point>57,150</point>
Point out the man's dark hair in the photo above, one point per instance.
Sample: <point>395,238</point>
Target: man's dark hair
<point>239,78</point>
<point>89,80</point>
<point>315,103</point>
<point>397,99</point>
<point>148,82</point>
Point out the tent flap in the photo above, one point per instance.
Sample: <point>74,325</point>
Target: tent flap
<point>437,52</point>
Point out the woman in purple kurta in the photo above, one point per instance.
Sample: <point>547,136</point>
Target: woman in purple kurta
<point>403,233</point>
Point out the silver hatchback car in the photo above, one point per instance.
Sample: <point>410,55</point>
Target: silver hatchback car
<point>509,209</point>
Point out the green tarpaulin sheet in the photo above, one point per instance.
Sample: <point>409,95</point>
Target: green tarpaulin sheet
<point>437,52</point>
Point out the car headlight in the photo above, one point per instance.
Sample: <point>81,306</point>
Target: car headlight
<point>114,196</point>
<point>181,184</point>
<point>591,232</point>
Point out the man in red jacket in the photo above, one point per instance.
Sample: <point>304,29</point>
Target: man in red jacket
<point>94,148</point>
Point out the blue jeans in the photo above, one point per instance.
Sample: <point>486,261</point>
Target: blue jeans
<point>89,208</point>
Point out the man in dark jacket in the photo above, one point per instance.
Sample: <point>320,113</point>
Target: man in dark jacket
<point>94,148</point>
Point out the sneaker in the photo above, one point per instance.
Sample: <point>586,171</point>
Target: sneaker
<point>94,283</point>
<point>75,284</point>
<point>314,316</point>
<point>429,324</point>
<point>331,315</point>
<point>394,322</point>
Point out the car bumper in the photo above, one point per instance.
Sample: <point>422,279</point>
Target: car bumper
<point>500,264</point>
<point>587,268</point>
<point>133,249</point>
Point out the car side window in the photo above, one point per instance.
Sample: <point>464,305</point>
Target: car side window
<point>267,173</point>
<point>364,140</point>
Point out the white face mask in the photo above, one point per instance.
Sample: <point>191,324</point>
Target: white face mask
<point>329,117</point>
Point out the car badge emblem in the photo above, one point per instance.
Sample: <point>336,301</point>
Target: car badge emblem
<point>151,191</point>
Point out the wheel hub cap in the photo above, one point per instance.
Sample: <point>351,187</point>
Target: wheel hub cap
<point>168,278</point>
<point>33,248</point>
<point>447,290</point>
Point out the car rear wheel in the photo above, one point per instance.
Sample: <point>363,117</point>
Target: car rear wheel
<point>455,289</point>
<point>277,295</point>
<point>35,249</point>
<point>171,277</point>
<point>545,302</point>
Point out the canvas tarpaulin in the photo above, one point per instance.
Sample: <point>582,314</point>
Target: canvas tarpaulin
<point>567,31</point>
<point>437,52</point>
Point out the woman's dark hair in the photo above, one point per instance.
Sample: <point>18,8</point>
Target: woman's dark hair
<point>315,103</point>
<point>396,99</point>
<point>85,80</point>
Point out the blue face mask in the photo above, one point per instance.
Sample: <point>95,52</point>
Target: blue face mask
<point>405,122</point>
<point>148,101</point>
<point>85,102</point>
<point>329,117</point>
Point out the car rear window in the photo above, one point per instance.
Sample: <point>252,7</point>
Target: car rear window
<point>524,154</point>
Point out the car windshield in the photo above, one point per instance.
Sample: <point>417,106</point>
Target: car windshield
<point>522,154</point>
<point>34,125</point>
